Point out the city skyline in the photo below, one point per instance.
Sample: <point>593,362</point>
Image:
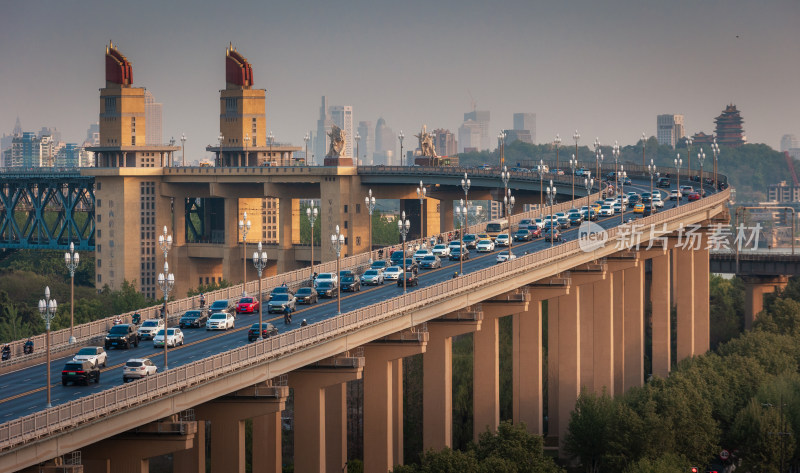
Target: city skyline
<point>607,70</point>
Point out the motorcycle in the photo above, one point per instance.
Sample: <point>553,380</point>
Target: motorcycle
<point>28,347</point>
<point>287,316</point>
<point>6,352</point>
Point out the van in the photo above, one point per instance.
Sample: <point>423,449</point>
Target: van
<point>496,227</point>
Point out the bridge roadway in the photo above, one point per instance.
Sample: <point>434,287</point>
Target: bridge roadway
<point>22,392</point>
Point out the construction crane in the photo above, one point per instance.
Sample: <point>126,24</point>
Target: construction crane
<point>472,101</point>
<point>790,163</point>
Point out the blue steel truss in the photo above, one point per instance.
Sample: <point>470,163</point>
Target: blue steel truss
<point>46,210</point>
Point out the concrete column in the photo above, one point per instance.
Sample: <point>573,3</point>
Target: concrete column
<point>193,459</point>
<point>286,232</point>
<point>603,334</point>
<point>618,283</point>
<point>634,327</point>
<point>130,452</point>
<point>397,410</point>
<point>267,444</point>
<point>684,296</point>
<point>587,347</point>
<point>661,308</point>
<point>527,368</point>
<point>446,215</point>
<point>569,361</point>
<point>335,426</point>
<point>379,403</point>
<point>437,382</point>
<point>702,321</point>
<point>755,288</point>
<point>486,378</point>
<point>552,366</point>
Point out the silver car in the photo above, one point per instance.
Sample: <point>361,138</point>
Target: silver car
<point>281,301</point>
<point>372,277</point>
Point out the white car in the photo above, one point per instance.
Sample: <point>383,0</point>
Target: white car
<point>392,273</point>
<point>502,240</point>
<point>485,246</point>
<point>675,194</point>
<point>327,277</point>
<point>617,207</point>
<point>174,338</point>
<point>606,211</point>
<point>136,368</point>
<point>504,256</point>
<point>95,355</point>
<point>657,202</point>
<point>220,321</point>
<point>421,254</point>
<point>441,250</point>
<point>149,328</point>
<point>453,246</point>
<point>372,277</point>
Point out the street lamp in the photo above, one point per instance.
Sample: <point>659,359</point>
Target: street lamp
<point>47,309</point>
<point>165,281</point>
<point>599,162</point>
<point>337,241</point>
<point>715,150</point>
<point>688,158</point>
<point>540,172</point>
<point>588,182</point>
<point>678,162</point>
<point>557,142</point>
<point>615,154</point>
<point>312,213</point>
<point>597,155</point>
<point>183,149</point>
<point>421,193</point>
<point>400,137</point>
<point>465,184</point>
<point>221,137</point>
<point>551,196</point>
<point>403,225</point>
<point>644,144</point>
<point>573,164</point>
<point>575,137</point>
<point>260,262</point>
<point>358,140</point>
<point>701,157</point>
<point>270,138</point>
<point>170,157</point>
<point>244,227</point>
<point>502,137</point>
<point>505,176</point>
<point>651,169</point>
<point>306,139</point>
<point>622,175</point>
<point>461,215</point>
<point>509,200</point>
<point>370,203</point>
<point>72,259</point>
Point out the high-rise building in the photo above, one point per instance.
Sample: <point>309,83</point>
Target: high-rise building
<point>669,129</point>
<point>72,155</point>
<point>445,142</point>
<point>788,142</point>
<point>153,119</point>
<point>342,116</point>
<point>729,127</point>
<point>324,123</point>
<point>524,128</point>
<point>93,135</point>
<point>470,136</point>
<point>385,146</point>
<point>367,143</point>
<point>481,118</point>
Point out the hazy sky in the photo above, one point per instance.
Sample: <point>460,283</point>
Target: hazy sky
<point>606,68</point>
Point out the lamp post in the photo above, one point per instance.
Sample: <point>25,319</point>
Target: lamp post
<point>421,193</point>
<point>540,172</point>
<point>369,201</point>
<point>597,155</point>
<point>358,141</point>
<point>183,149</point>
<point>337,241</point>
<point>715,150</point>
<point>588,182</point>
<point>576,137</point>
<point>260,262</point>
<point>573,164</point>
<point>551,196</point>
<point>509,200</point>
<point>221,137</point>
<point>244,227</point>
<point>165,281</point>
<point>47,309</point>
<point>651,169</point>
<point>306,139</point>
<point>678,162</point>
<point>400,137</point>
<point>688,158</point>
<point>72,259</point>
<point>502,138</point>
<point>701,157</point>
<point>312,213</point>
<point>461,214</point>
<point>644,145</point>
<point>403,225</point>
<point>557,142</point>
<point>465,184</point>
<point>615,154</point>
<point>170,157</point>
<point>270,138</point>
<point>622,175</point>
<point>505,176</point>
<point>599,160</point>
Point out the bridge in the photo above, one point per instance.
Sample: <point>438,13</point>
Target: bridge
<point>595,295</point>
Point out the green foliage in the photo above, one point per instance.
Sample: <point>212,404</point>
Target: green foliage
<point>384,230</point>
<point>726,306</point>
<point>667,463</point>
<point>203,288</point>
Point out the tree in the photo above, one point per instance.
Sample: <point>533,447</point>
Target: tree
<point>589,432</point>
<point>512,448</point>
<point>668,463</point>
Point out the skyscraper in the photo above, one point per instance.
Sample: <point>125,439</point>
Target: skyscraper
<point>669,129</point>
<point>367,144</point>
<point>470,136</point>
<point>342,116</point>
<point>152,119</point>
<point>481,119</point>
<point>384,144</point>
<point>445,142</point>
<point>324,123</point>
<point>524,128</point>
<point>788,142</point>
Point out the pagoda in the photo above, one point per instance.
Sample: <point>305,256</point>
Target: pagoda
<point>729,127</point>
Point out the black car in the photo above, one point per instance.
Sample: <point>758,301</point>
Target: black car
<point>410,278</point>
<point>122,335</point>
<point>552,234</point>
<point>663,182</point>
<point>80,372</point>
<point>280,290</point>
<point>411,266</point>
<point>267,330</point>
<point>326,289</point>
<point>306,295</point>
<point>522,235</point>
<point>221,305</point>
<point>350,283</point>
<point>379,264</point>
<point>193,318</point>
<point>397,258</point>
<point>454,255</point>
<point>575,218</point>
<point>648,210</point>
<point>471,240</point>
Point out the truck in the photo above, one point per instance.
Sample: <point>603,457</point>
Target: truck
<point>496,227</point>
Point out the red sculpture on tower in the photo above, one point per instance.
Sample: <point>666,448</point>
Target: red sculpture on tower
<point>238,71</point>
<point>118,69</point>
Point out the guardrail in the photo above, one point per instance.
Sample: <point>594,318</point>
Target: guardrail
<point>63,416</point>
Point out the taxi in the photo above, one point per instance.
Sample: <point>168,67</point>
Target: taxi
<point>638,208</point>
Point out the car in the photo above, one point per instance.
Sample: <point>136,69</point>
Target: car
<point>505,255</point>
<point>525,223</point>
<point>306,295</point>
<point>80,372</point>
<point>192,318</point>
<point>220,321</point>
<point>633,199</point>
<point>122,335</point>
<point>372,277</point>
<point>453,245</point>
<point>327,289</point>
<point>332,277</point>
<point>221,305</point>
<point>649,210</point>
<point>441,250</point>
<point>674,194</point>
<point>174,338</point>
<point>97,356</point>
<point>663,182</point>
<point>657,202</point>
<point>454,255</point>
<point>502,239</point>
<point>580,172</point>
<point>646,198</point>
<point>623,198</point>
<point>137,368</point>
<point>575,218</point>
<point>282,289</point>
<point>267,330</point>
<point>419,254</point>
<point>693,196</point>
<point>485,246</point>
<point>149,328</point>
<point>483,236</point>
<point>617,207</point>
<point>410,279</point>
<point>523,234</point>
<point>351,283</point>
<point>596,207</point>
<point>430,262</point>
<point>346,272</point>
<point>396,259</point>
<point>563,222</point>
<point>411,265</point>
<point>686,190</point>
<point>281,301</point>
<point>638,208</point>
<point>606,211</point>
<point>379,264</point>
<point>470,240</point>
<point>392,273</point>
<point>626,181</point>
<point>552,234</point>
<point>247,305</point>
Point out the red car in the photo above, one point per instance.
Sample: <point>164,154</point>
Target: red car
<point>247,305</point>
<point>693,196</point>
<point>536,232</point>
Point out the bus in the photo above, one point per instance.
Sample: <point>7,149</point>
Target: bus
<point>496,227</point>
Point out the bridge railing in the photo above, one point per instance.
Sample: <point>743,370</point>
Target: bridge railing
<point>70,414</point>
